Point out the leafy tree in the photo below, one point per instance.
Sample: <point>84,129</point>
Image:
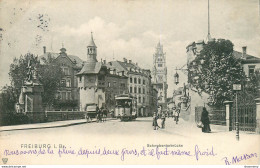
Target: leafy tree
<point>215,70</point>
<point>49,75</point>
<point>7,99</point>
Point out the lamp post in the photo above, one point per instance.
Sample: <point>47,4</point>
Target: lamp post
<point>176,78</point>
<point>237,87</point>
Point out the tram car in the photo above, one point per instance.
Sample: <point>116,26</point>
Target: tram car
<point>126,107</point>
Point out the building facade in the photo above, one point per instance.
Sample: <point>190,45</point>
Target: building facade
<point>97,83</point>
<point>159,75</point>
<point>67,97</point>
<point>139,84</point>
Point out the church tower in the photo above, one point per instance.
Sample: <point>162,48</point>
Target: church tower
<point>92,50</point>
<point>159,75</point>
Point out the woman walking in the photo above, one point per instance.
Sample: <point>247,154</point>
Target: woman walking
<point>155,118</point>
<point>205,121</point>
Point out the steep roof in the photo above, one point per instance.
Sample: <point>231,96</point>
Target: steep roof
<point>91,42</point>
<point>90,68</point>
<point>73,58</point>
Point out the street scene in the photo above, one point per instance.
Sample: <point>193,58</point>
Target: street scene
<point>103,82</point>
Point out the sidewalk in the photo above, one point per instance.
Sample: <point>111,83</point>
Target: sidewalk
<point>46,125</point>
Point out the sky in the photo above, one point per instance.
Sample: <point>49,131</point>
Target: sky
<point>124,29</point>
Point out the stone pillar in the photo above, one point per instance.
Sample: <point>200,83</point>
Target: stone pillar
<point>257,115</point>
<point>228,105</point>
<point>33,102</point>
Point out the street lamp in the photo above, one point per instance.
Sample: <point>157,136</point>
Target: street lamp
<point>176,78</point>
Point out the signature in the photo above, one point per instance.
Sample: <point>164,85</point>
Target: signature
<point>237,159</point>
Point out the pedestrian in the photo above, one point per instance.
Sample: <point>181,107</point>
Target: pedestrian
<point>205,121</point>
<point>163,118</point>
<point>104,114</point>
<point>155,118</point>
<point>98,111</point>
<point>177,115</point>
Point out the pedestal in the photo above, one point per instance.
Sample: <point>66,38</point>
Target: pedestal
<point>228,114</point>
<point>33,102</point>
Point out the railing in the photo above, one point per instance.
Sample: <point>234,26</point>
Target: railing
<point>64,115</point>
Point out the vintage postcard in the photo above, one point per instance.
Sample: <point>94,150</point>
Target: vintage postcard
<point>129,82</point>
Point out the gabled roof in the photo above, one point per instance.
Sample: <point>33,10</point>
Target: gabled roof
<point>73,58</point>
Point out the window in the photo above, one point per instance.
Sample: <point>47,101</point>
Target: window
<point>159,65</point>
<point>143,90</point>
<point>134,80</point>
<point>68,96</point>
<point>143,99</point>
<point>131,80</point>
<point>63,83</point>
<point>135,89</point>
<point>139,90</point>
<point>80,79</point>
<point>68,83</point>
<point>63,95</point>
<point>131,89</point>
<point>122,85</point>
<point>144,82</point>
<point>139,81</point>
<point>139,99</point>
<point>251,70</point>
<point>65,71</point>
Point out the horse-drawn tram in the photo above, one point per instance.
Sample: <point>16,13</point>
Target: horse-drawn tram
<point>126,107</point>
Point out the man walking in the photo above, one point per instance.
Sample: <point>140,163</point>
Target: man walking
<point>163,118</point>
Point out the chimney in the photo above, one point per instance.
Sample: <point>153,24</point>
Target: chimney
<point>44,49</point>
<point>123,73</point>
<point>130,61</point>
<point>105,61</point>
<point>136,63</point>
<point>125,60</point>
<point>244,52</point>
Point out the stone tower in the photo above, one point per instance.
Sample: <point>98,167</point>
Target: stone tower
<point>159,75</point>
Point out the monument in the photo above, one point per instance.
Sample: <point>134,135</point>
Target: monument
<point>30,99</point>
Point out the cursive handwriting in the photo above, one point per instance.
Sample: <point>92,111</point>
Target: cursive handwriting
<point>207,152</point>
<point>237,159</point>
<point>123,153</point>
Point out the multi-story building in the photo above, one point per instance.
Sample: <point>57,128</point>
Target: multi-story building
<point>67,97</point>
<point>97,83</point>
<point>159,74</point>
<point>139,84</point>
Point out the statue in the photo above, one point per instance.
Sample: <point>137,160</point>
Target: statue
<point>28,79</point>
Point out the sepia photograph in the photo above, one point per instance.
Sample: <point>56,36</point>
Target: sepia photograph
<point>130,82</point>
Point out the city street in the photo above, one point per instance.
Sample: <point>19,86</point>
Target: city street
<point>115,134</point>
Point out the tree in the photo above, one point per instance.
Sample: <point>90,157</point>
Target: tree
<point>215,70</point>
<point>49,75</point>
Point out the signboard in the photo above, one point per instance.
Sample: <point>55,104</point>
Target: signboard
<point>236,86</point>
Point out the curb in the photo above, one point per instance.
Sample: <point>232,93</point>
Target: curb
<point>62,125</point>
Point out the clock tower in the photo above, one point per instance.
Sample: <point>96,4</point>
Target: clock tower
<point>159,75</point>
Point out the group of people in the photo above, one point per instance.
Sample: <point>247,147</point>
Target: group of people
<point>101,114</point>
<point>162,115</point>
